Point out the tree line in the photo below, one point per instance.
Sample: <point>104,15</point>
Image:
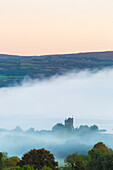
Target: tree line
<point>100,157</point>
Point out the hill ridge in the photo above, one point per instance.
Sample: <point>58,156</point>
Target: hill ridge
<point>14,68</point>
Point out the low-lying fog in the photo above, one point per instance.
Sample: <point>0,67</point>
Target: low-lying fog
<point>84,95</point>
<point>41,104</point>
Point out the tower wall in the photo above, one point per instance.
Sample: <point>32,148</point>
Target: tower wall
<point>69,122</point>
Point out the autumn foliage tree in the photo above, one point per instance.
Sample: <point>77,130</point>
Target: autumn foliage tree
<point>101,146</point>
<point>38,159</point>
<point>74,161</point>
<point>101,157</point>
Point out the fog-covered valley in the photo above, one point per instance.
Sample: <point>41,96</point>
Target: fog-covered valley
<point>59,141</point>
<point>87,95</point>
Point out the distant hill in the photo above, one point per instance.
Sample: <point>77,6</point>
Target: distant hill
<point>13,68</point>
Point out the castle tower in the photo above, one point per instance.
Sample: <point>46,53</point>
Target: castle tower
<point>69,123</point>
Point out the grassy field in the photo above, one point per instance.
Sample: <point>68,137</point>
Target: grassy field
<point>13,69</point>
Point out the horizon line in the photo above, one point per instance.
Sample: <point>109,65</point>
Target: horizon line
<point>71,53</point>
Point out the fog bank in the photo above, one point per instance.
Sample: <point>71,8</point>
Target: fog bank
<point>85,95</point>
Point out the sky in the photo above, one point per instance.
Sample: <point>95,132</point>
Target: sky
<point>36,27</point>
<point>41,104</point>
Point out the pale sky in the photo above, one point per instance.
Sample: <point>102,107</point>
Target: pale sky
<point>35,27</point>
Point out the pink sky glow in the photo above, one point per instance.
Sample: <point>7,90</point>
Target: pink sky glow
<point>36,27</point>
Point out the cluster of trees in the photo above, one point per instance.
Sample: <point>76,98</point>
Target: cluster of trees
<point>40,159</point>
<point>100,157</point>
<point>59,128</point>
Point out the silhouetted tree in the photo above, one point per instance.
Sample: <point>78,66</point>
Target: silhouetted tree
<point>94,128</point>
<point>58,127</point>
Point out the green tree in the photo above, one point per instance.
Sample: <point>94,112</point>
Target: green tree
<point>11,162</point>
<point>25,167</point>
<point>74,161</point>
<point>46,168</point>
<point>101,158</point>
<point>18,168</point>
<point>3,157</point>
<point>1,161</point>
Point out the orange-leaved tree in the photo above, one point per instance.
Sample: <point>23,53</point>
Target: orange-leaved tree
<point>38,159</point>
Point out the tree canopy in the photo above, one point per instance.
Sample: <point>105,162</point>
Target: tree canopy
<point>74,161</point>
<point>38,159</point>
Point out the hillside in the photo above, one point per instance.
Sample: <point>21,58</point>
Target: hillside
<point>13,69</point>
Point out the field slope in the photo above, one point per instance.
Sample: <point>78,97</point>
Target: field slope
<point>13,69</point>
